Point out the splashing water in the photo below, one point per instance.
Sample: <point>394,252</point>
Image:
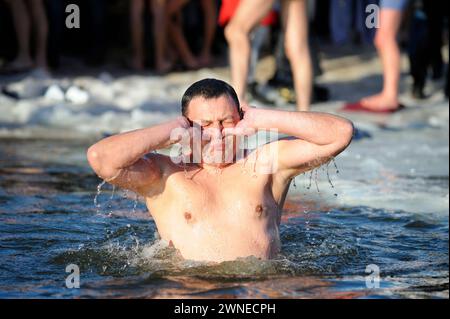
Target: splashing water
<point>329,178</point>
<point>135,202</point>
<point>314,175</point>
<point>254,175</point>
<point>310,180</point>
<point>113,191</point>
<point>335,165</point>
<point>109,207</point>
<point>99,191</point>
<point>316,179</point>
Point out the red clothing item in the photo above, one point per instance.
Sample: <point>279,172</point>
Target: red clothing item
<point>229,7</point>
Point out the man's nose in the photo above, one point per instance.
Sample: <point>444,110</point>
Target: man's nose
<point>218,127</point>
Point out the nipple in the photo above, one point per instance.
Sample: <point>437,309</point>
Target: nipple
<point>188,217</point>
<point>259,210</point>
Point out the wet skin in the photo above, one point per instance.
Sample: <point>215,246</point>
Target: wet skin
<point>219,215</point>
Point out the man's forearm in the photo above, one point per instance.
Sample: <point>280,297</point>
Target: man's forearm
<point>123,150</point>
<point>317,128</point>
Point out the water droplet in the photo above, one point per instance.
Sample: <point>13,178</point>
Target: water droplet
<point>136,199</point>
<point>109,206</point>
<point>315,180</point>
<point>335,166</point>
<point>310,180</point>
<point>113,192</point>
<point>99,191</point>
<point>328,175</point>
<point>256,160</point>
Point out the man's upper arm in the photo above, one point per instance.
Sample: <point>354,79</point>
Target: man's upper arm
<point>143,177</point>
<point>296,156</point>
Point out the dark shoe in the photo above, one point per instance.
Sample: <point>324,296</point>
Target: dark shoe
<point>417,92</point>
<point>320,94</point>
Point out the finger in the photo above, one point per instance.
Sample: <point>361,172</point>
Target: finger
<point>187,152</point>
<point>248,131</point>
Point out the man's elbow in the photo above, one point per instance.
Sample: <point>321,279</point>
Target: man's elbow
<point>345,135</point>
<point>97,162</point>
<point>93,157</point>
<point>349,132</point>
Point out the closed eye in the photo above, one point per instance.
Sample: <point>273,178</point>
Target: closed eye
<point>206,123</point>
<point>227,123</point>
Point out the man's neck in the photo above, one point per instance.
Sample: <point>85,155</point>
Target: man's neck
<point>213,167</point>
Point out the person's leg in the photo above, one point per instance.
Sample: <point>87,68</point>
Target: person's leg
<point>175,26</point>
<point>160,34</point>
<point>40,26</point>
<point>418,52</point>
<point>56,16</point>
<point>209,17</point>
<point>137,33</point>
<point>247,16</point>
<point>257,38</point>
<point>297,49</point>
<point>96,12</point>
<point>340,21</point>
<point>174,6</point>
<point>389,52</point>
<point>21,21</point>
<point>435,11</point>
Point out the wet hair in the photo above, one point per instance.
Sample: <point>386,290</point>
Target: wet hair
<point>209,89</point>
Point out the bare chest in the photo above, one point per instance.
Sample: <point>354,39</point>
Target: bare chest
<point>225,203</point>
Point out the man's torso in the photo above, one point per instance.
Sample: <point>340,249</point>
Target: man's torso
<point>217,216</point>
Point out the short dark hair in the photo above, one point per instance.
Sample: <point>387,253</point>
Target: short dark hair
<point>209,89</point>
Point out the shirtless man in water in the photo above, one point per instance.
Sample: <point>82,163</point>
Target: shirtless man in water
<point>218,210</point>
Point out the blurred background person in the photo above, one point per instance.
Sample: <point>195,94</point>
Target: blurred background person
<point>95,24</point>
<point>390,19</point>
<point>295,26</point>
<point>175,13</point>
<point>347,21</point>
<point>258,37</point>
<point>426,42</point>
<point>158,10</point>
<point>29,17</point>
<point>282,80</point>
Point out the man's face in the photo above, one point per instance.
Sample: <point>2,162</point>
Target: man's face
<point>212,116</point>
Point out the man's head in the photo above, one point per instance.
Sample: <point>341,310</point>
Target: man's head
<point>209,89</point>
<point>213,105</point>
